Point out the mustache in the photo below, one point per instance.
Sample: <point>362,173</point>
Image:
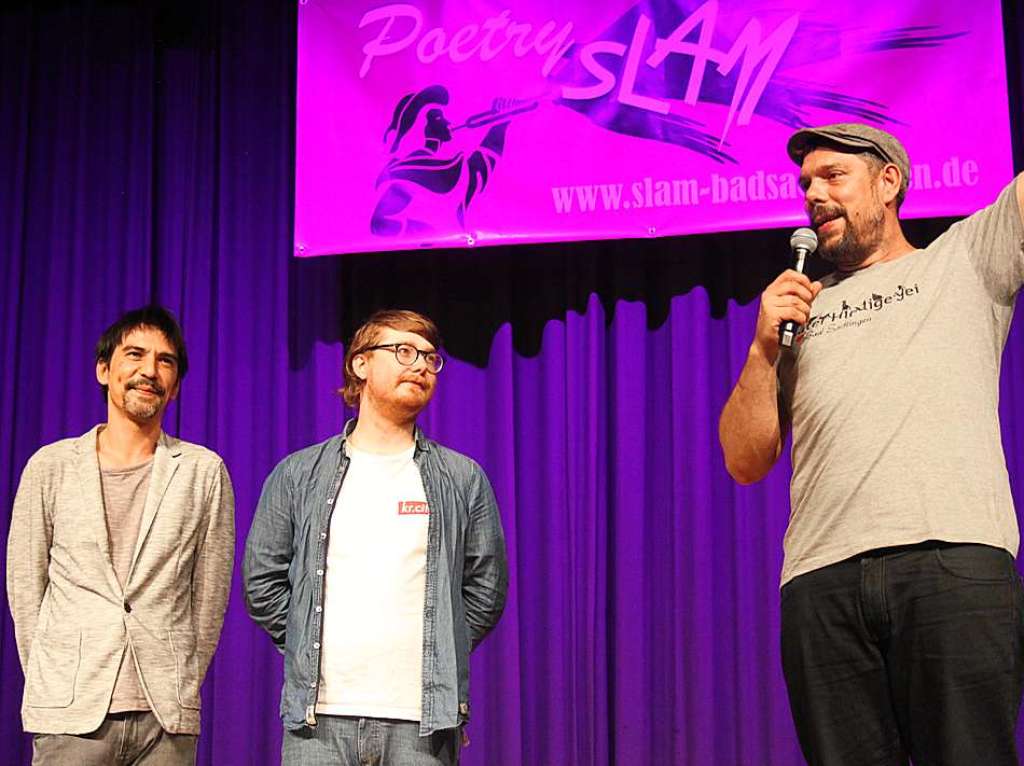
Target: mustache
<point>420,379</point>
<point>152,385</point>
<point>820,214</point>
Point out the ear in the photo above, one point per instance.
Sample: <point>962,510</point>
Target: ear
<point>359,365</point>
<point>890,179</point>
<point>174,391</point>
<point>102,373</point>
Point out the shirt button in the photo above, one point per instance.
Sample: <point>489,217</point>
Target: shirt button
<point>312,685</point>
<point>319,609</point>
<point>319,572</point>
<point>323,535</point>
<point>316,644</point>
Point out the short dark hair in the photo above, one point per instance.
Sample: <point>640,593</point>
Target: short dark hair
<point>156,317</point>
<point>368,334</point>
<point>876,163</point>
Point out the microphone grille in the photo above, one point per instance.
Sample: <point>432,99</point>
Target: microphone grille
<point>804,238</point>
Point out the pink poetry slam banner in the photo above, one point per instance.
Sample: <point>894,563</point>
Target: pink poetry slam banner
<point>437,123</point>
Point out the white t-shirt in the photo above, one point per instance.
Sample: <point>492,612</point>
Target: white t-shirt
<point>372,656</point>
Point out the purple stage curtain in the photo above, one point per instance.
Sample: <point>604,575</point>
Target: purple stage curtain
<point>148,155</point>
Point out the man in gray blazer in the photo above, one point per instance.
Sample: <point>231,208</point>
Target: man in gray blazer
<point>119,567</point>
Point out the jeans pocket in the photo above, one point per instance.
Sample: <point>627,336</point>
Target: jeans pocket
<point>980,563</point>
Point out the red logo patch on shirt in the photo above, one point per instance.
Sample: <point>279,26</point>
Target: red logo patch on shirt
<point>412,508</point>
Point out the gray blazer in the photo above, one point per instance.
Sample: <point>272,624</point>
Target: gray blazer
<point>72,620</point>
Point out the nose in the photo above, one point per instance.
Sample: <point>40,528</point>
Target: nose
<point>815,193</point>
<point>147,366</point>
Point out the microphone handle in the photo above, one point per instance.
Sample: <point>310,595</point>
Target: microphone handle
<point>789,328</point>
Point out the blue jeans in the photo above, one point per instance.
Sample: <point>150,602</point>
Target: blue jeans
<point>914,652</point>
<point>352,741</point>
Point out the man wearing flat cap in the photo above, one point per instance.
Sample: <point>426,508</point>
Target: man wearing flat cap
<point>902,611</point>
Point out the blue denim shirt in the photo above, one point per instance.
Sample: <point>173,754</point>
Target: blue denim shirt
<point>466,577</point>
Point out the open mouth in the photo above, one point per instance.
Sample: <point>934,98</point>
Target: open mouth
<point>821,220</point>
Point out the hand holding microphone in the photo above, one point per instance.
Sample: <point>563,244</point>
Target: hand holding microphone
<point>786,302</point>
<point>803,242</point>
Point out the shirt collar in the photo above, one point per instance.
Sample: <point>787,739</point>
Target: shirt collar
<point>422,442</point>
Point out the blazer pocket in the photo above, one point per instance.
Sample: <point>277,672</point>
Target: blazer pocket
<point>186,668</point>
<point>53,669</point>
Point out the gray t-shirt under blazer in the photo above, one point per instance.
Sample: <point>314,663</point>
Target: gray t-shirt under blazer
<point>892,393</point>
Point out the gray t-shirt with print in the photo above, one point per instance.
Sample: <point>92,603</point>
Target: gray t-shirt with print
<point>892,393</point>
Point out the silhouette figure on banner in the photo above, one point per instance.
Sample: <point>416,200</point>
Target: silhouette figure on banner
<point>420,191</point>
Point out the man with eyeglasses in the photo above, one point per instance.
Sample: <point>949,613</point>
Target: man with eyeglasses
<point>376,562</point>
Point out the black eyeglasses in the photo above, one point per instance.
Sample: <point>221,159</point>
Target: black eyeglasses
<point>407,355</point>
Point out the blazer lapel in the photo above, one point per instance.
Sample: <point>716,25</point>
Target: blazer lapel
<point>87,464</point>
<point>165,464</point>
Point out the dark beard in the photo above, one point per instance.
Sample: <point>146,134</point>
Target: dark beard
<point>857,243</point>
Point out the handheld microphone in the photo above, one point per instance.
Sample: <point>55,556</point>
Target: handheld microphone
<point>803,242</point>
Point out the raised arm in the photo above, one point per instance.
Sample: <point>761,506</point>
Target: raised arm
<point>750,429</point>
<point>1020,195</point>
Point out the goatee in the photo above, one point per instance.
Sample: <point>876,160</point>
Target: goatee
<point>857,242</point>
<point>141,410</point>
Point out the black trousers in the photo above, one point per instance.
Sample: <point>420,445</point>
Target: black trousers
<point>910,652</point>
